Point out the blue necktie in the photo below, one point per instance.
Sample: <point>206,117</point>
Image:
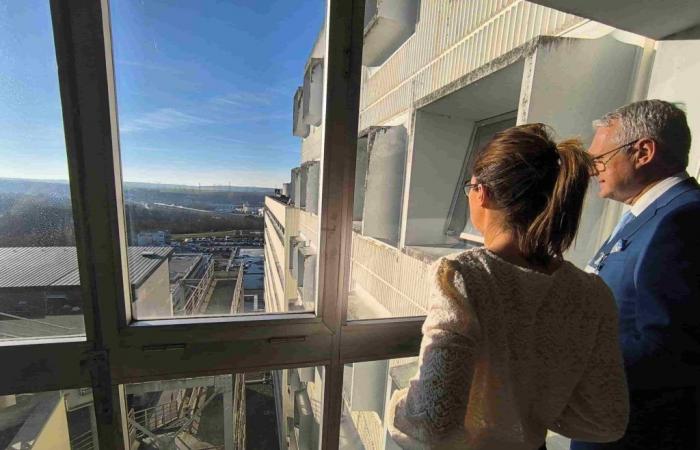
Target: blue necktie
<point>626,218</point>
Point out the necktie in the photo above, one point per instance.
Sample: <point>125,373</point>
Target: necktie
<point>626,218</point>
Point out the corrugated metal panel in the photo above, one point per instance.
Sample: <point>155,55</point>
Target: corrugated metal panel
<point>58,266</point>
<point>452,40</point>
<point>143,261</point>
<point>35,266</point>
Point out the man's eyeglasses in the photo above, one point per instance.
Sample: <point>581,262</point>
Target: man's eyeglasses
<point>468,187</point>
<point>601,165</point>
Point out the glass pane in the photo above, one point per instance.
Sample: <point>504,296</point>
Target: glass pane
<point>55,419</point>
<point>39,282</point>
<point>437,83</point>
<point>268,410</point>
<point>208,142</point>
<point>367,389</point>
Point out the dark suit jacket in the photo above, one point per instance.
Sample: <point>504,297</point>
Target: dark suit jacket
<point>655,278</point>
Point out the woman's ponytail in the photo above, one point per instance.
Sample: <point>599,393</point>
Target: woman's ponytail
<point>539,184</point>
<point>554,229</point>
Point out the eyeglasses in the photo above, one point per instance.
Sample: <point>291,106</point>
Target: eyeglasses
<point>601,165</point>
<point>468,187</point>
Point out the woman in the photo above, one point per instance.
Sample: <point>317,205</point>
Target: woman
<point>517,341</point>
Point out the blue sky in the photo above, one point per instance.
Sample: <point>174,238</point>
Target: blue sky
<point>204,89</point>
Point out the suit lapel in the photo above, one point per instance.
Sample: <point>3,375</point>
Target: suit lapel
<point>646,215</point>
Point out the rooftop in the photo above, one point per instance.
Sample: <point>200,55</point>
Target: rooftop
<point>25,267</point>
<point>181,265</point>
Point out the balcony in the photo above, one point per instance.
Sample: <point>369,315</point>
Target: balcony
<point>388,23</point>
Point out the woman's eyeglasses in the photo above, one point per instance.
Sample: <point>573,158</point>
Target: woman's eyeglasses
<point>468,187</point>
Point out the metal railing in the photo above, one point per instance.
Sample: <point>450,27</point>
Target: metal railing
<point>196,298</point>
<point>237,291</point>
<point>183,415</point>
<point>83,442</point>
<point>158,416</point>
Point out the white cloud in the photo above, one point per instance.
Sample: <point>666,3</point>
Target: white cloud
<point>245,99</point>
<point>162,119</point>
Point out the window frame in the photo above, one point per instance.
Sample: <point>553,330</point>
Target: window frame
<point>117,350</point>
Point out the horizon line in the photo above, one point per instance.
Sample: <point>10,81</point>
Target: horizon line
<point>197,186</point>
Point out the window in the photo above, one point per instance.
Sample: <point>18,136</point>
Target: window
<point>164,105</point>
<point>458,222</point>
<point>204,140</point>
<point>238,411</point>
<point>40,292</point>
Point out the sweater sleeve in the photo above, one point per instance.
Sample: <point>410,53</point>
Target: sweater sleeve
<point>598,409</point>
<point>434,404</point>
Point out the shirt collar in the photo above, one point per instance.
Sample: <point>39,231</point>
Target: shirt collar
<point>657,191</point>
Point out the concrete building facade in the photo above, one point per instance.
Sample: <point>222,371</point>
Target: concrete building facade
<point>438,80</point>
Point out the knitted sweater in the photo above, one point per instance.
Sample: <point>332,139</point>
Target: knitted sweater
<point>508,353</point>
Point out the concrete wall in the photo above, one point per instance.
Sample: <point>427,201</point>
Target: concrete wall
<point>299,128</point>
<point>439,149</point>
<point>313,92</point>
<point>452,39</point>
<point>571,83</point>
<point>153,296</point>
<point>313,184</point>
<point>674,78</point>
<point>360,178</point>
<point>54,433</point>
<point>385,182</point>
<point>311,145</point>
<point>388,23</point>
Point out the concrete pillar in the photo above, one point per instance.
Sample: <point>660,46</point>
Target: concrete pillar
<point>226,381</point>
<point>313,172</point>
<point>385,178</point>
<point>360,178</point>
<point>312,98</point>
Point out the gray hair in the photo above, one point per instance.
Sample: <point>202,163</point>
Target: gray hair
<point>661,121</point>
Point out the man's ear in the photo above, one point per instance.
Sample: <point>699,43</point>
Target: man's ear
<point>646,152</point>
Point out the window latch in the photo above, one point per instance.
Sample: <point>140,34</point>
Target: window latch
<point>284,340</point>
<point>163,347</point>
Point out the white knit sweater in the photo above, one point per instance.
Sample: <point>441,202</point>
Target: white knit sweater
<point>508,353</point>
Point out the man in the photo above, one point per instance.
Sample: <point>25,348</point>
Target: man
<point>651,262</point>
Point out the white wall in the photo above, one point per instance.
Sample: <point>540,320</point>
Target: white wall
<point>153,296</point>
<point>674,78</point>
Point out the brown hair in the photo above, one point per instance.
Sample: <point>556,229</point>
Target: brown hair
<point>539,184</point>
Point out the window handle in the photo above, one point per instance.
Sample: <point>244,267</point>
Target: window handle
<point>284,340</point>
<point>163,347</point>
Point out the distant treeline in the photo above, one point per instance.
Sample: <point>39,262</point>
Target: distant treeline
<point>198,199</point>
<point>35,220</point>
<point>181,221</point>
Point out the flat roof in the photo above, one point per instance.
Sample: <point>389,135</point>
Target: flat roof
<point>23,267</point>
<point>182,264</point>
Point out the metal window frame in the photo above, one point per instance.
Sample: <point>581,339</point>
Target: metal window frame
<point>117,350</point>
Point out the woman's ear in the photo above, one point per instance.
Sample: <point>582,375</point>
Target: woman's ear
<point>483,196</point>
